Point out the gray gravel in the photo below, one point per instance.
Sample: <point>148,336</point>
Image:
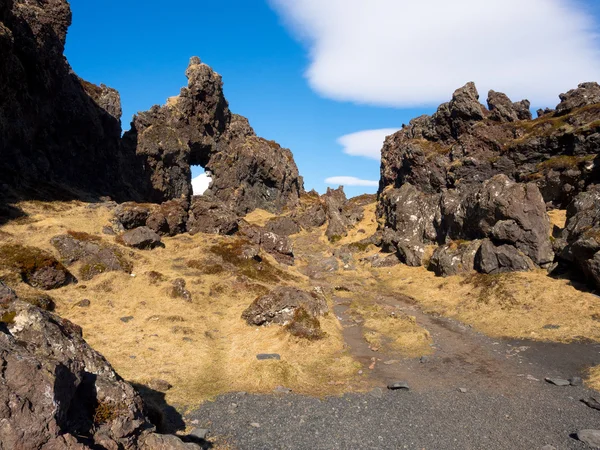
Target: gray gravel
<point>403,419</point>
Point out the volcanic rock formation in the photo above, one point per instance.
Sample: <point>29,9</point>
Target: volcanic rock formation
<point>56,130</point>
<point>476,181</point>
<point>58,393</point>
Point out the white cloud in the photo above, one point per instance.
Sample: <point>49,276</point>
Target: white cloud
<point>409,52</point>
<point>366,143</point>
<point>201,183</point>
<point>350,181</point>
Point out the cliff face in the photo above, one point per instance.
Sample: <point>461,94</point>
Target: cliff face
<point>55,128</point>
<point>59,131</point>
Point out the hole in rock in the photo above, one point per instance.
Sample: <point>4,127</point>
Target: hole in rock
<point>201,180</point>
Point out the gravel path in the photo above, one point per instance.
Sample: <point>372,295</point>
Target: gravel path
<point>507,405</point>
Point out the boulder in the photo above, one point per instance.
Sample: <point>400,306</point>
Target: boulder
<point>7,295</point>
<point>211,216</point>
<point>132,215</point>
<point>585,94</point>
<point>179,291</point>
<point>36,267</point>
<point>581,236</point>
<point>492,259</point>
<point>340,213</point>
<point>142,238</point>
<point>57,392</point>
<point>454,258</point>
<point>170,218</point>
<point>95,255</point>
<point>280,247</point>
<point>279,305</point>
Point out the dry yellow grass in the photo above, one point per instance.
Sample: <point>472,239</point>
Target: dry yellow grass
<point>593,380</point>
<point>558,218</point>
<point>202,348</point>
<point>259,217</point>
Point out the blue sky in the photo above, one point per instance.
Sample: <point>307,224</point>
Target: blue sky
<point>305,81</point>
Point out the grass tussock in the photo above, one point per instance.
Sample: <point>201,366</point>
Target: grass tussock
<point>26,260</point>
<point>305,326</point>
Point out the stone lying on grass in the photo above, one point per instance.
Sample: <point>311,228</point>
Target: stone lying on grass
<point>142,238</point>
<point>297,310</point>
<point>95,255</point>
<point>36,267</point>
<point>280,247</point>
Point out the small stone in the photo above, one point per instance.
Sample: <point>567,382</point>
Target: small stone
<point>398,385</point>
<point>108,231</point>
<point>267,356</point>
<point>592,403</point>
<point>126,319</point>
<point>551,327</point>
<point>159,385</point>
<point>282,390</point>
<point>255,425</point>
<point>576,381</point>
<point>424,359</point>
<point>83,303</point>
<point>532,378</point>
<point>377,393</point>
<point>391,361</point>
<point>462,390</point>
<point>200,433</point>
<point>558,381</point>
<point>589,437</point>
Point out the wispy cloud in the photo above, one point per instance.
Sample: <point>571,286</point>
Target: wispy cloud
<point>406,52</point>
<point>350,181</point>
<point>366,143</point>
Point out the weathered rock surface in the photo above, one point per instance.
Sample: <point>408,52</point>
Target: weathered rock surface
<point>142,238</point>
<point>95,255</point>
<point>59,133</point>
<point>465,143</point>
<point>582,234</point>
<point>35,267</point>
<point>280,247</point>
<point>209,216</point>
<point>197,128</point>
<point>341,214</point>
<point>58,393</point>
<point>55,128</point>
<point>279,305</point>
<point>505,213</point>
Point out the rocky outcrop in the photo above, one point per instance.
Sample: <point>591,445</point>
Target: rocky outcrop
<point>95,255</point>
<point>499,211</point>
<point>197,128</point>
<point>486,176</point>
<point>279,247</point>
<point>61,135</point>
<point>142,238</point>
<point>581,236</point>
<point>465,143</point>
<point>58,393</point>
<point>56,130</point>
<point>340,213</point>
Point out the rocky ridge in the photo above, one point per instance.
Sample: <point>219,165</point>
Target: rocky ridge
<point>475,182</point>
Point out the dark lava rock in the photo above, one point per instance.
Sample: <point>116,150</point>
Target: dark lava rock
<point>280,247</point>
<point>379,261</point>
<point>508,218</point>
<point>179,291</point>
<point>268,356</point>
<point>57,392</point>
<point>582,234</point>
<point>311,211</point>
<point>36,267</point>
<point>85,303</point>
<point>341,214</point>
<point>464,143</point>
<point>7,295</point>
<point>95,255</point>
<point>399,385</point>
<point>283,226</point>
<point>132,215</point>
<point>126,319</point>
<point>56,129</point>
<point>279,305</point>
<point>454,258</point>
<point>210,216</point>
<point>169,218</point>
<point>42,301</point>
<point>142,238</point>
<point>197,128</point>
